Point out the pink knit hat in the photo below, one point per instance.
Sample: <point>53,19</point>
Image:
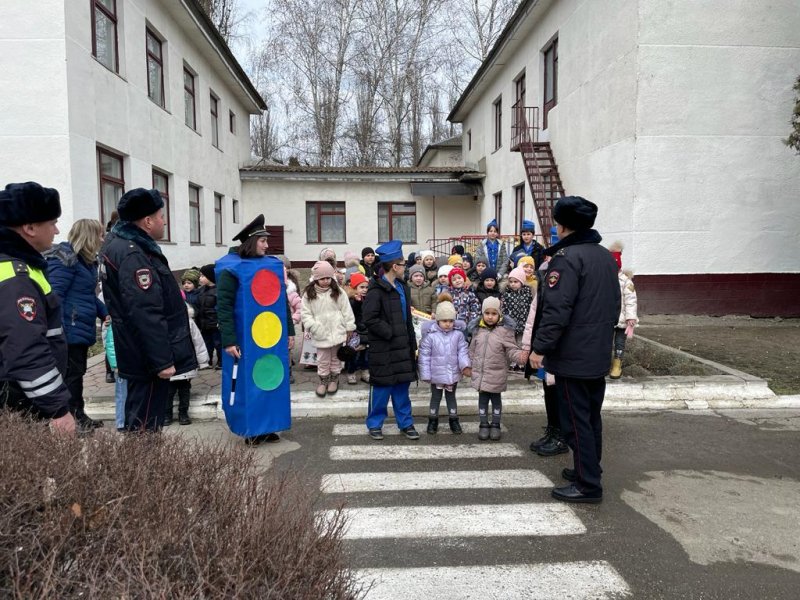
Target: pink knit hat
<point>322,268</point>
<point>518,274</point>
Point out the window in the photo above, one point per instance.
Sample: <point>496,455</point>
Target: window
<point>155,69</point>
<point>469,139</point>
<point>218,218</point>
<point>194,214</point>
<point>498,209</point>
<point>214,121</point>
<point>498,122</point>
<point>232,121</point>
<point>235,211</point>
<point>325,223</point>
<point>397,221</point>
<point>550,80</point>
<point>104,33</point>
<point>519,202</point>
<point>161,183</point>
<point>112,182</point>
<point>188,99</point>
<point>517,113</point>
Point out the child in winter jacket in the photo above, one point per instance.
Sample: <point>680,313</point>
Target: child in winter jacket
<point>628,318</point>
<point>474,274</point>
<point>182,383</point>
<point>444,280</point>
<point>421,292</point>
<point>328,318</point>
<point>358,290</point>
<point>295,304</point>
<point>350,265</point>
<point>516,300</point>
<point>487,285</point>
<point>190,281</point>
<point>120,383</point>
<point>443,359</point>
<point>491,351</point>
<point>429,263</point>
<point>464,299</point>
<point>528,266</point>
<point>206,314</point>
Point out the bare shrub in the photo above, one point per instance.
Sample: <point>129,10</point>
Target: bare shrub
<point>157,517</point>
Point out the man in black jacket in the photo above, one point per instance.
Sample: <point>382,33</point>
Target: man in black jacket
<point>33,350</point>
<point>148,316</point>
<point>580,306</point>
<point>392,343</point>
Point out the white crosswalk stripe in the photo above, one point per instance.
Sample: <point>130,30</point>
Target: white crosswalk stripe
<point>343,483</point>
<point>424,452</point>
<point>577,580</point>
<point>553,581</point>
<point>348,429</point>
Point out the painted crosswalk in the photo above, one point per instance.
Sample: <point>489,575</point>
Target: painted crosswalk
<point>409,519</point>
<point>350,429</point>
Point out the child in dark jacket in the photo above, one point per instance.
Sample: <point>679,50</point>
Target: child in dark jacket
<point>206,314</point>
<point>358,287</point>
<point>487,285</point>
<point>443,359</point>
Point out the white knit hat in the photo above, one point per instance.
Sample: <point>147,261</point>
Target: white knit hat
<point>425,253</point>
<point>445,270</point>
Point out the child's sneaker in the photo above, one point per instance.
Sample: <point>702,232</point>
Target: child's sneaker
<point>494,432</point>
<point>483,432</point>
<point>376,434</point>
<point>410,433</point>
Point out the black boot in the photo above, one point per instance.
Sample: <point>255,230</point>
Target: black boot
<point>548,433</point>
<point>455,426</point>
<point>433,425</point>
<point>483,432</point>
<point>184,393</point>
<point>556,445</point>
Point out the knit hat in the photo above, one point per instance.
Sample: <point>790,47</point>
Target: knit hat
<point>139,203</point>
<point>192,275</point>
<point>367,250</point>
<point>456,271</point>
<point>454,259</point>
<point>208,273</point>
<point>28,202</point>
<point>488,273</point>
<point>416,269</point>
<point>326,253</point>
<point>458,249</point>
<point>491,302</point>
<point>526,260</point>
<point>322,268</point>
<point>467,257</point>
<point>350,258</point>
<point>481,261</point>
<point>444,270</point>
<point>356,279</point>
<point>445,311</point>
<point>425,253</point>
<point>518,274</point>
<point>574,212</point>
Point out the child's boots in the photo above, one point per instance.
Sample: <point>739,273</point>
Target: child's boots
<point>616,368</point>
<point>433,425</point>
<point>494,432</point>
<point>455,426</point>
<point>322,388</point>
<point>483,432</point>
<point>333,383</point>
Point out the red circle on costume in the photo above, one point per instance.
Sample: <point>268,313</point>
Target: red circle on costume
<point>265,287</point>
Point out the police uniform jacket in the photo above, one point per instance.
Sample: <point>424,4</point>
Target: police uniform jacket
<point>580,306</point>
<point>148,314</point>
<point>392,342</point>
<point>33,351</point>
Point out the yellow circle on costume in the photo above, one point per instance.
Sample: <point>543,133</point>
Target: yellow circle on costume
<point>267,330</point>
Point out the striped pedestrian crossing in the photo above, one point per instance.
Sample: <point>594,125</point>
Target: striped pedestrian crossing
<point>353,429</point>
<point>346,483</point>
<point>424,452</point>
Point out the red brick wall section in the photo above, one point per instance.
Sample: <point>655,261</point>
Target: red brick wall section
<point>754,294</point>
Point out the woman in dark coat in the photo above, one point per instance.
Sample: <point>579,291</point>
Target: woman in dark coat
<point>72,272</point>
<point>392,343</point>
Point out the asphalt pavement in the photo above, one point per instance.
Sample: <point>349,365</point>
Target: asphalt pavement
<point>697,504</point>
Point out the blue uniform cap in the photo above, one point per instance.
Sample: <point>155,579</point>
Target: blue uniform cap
<point>391,250</point>
<point>528,226</point>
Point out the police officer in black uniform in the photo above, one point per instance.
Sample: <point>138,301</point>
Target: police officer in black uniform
<point>148,315</point>
<point>580,306</point>
<point>33,349</point>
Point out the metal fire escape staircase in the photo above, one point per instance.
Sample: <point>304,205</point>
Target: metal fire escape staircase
<point>540,166</point>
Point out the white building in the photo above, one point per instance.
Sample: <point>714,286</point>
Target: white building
<point>668,115</point>
<point>102,96</point>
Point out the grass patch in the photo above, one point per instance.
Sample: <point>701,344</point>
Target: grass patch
<point>645,360</point>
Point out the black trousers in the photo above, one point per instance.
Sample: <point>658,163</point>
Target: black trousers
<point>77,354</point>
<point>182,387</point>
<point>145,404</point>
<point>551,406</point>
<point>580,401</point>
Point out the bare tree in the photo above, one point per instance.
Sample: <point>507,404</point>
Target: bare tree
<point>482,22</point>
<point>224,14</point>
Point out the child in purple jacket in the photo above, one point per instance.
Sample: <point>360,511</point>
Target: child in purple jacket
<point>443,359</point>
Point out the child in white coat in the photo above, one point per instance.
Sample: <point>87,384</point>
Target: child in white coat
<point>628,318</point>
<point>328,318</point>
<point>182,384</point>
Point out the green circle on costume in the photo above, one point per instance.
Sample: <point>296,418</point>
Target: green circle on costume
<point>266,330</point>
<point>268,372</point>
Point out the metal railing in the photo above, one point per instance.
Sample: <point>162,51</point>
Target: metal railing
<point>524,125</point>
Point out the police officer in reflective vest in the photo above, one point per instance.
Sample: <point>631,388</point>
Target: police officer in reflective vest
<point>580,307</point>
<point>149,318</point>
<point>33,350</point>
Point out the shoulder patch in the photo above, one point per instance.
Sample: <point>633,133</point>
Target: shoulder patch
<point>561,252</point>
<point>26,306</point>
<point>144,278</point>
<point>552,278</point>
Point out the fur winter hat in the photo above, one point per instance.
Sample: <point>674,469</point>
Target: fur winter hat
<point>445,270</point>
<point>416,269</point>
<point>455,259</point>
<point>518,274</point>
<point>491,303</point>
<point>139,203</point>
<point>356,279</point>
<point>321,269</point>
<point>574,212</point>
<point>28,202</point>
<point>456,271</point>
<point>616,251</point>
<point>445,311</point>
